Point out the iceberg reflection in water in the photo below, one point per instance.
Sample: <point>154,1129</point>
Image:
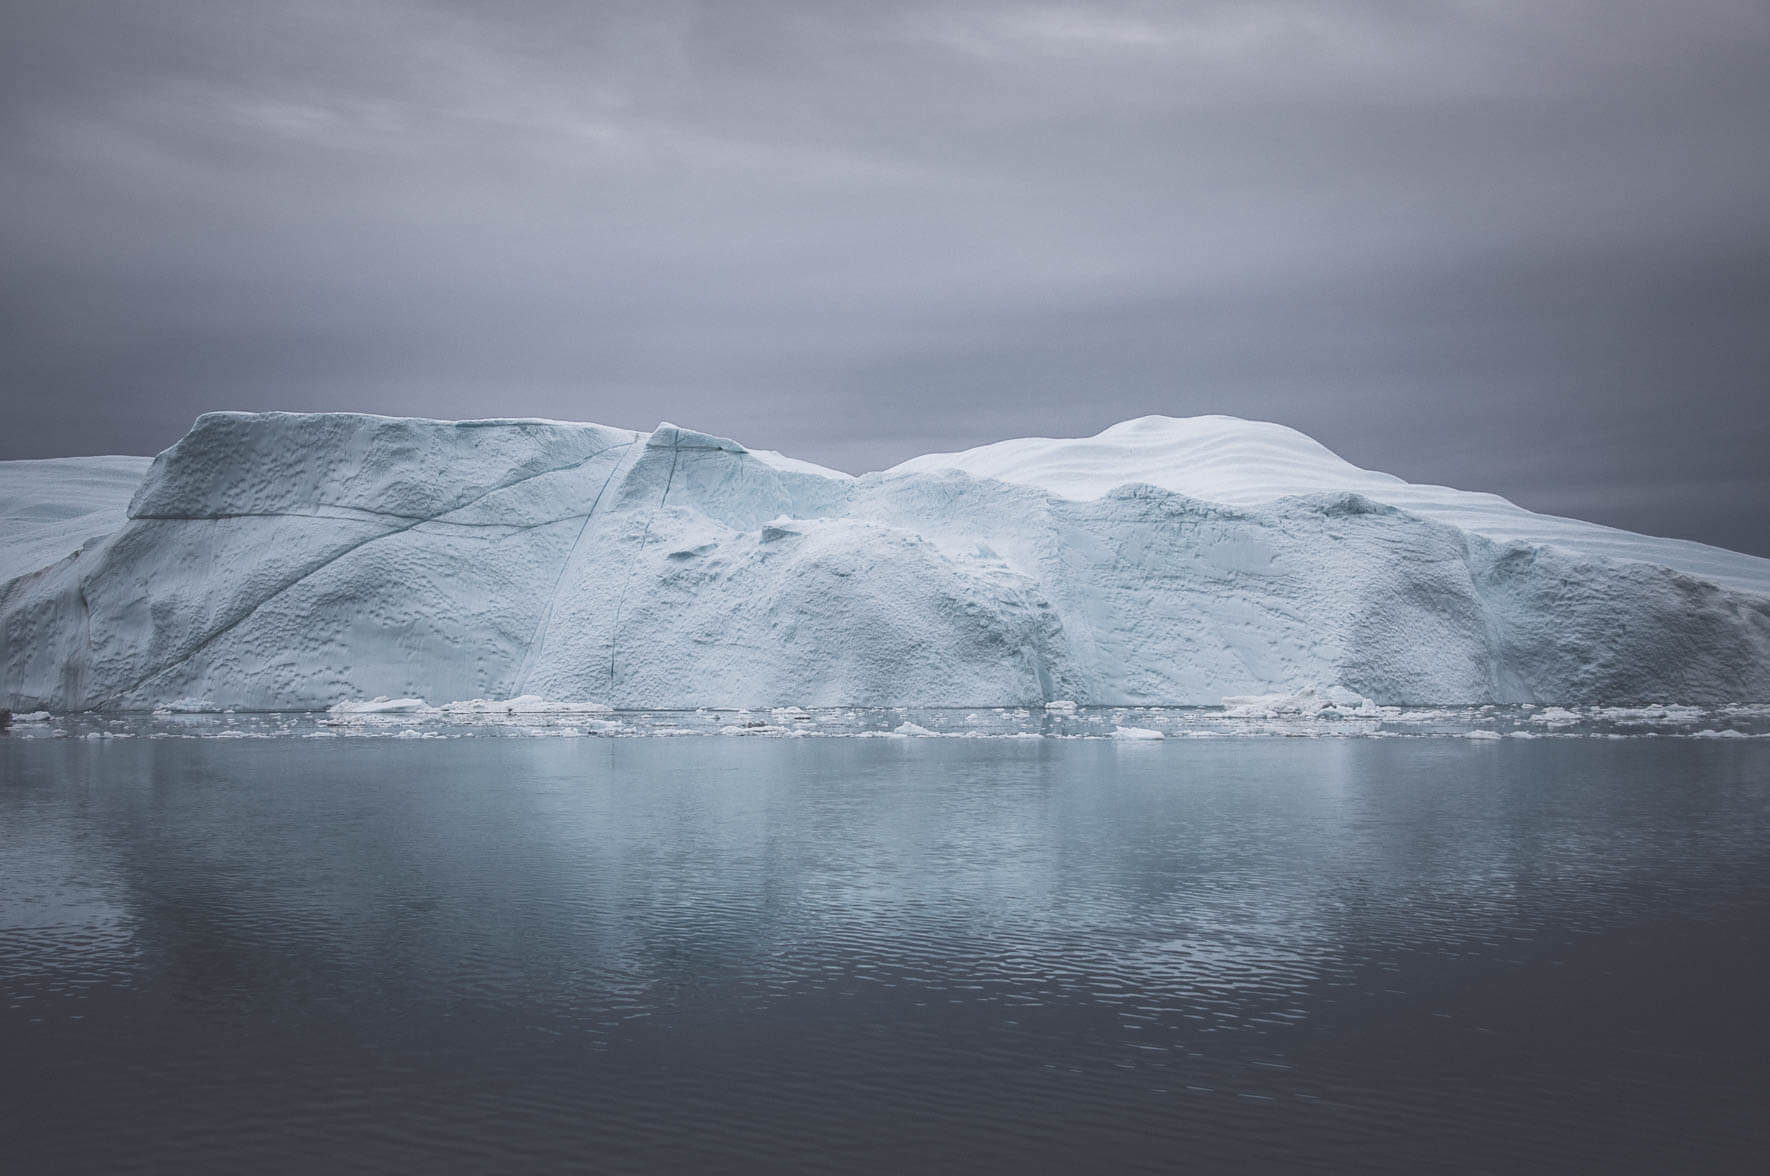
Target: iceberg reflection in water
<point>777,954</point>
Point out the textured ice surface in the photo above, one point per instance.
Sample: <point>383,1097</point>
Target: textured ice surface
<point>284,562</point>
<point>50,509</point>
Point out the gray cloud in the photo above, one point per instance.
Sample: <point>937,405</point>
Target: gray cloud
<point>1511,246</point>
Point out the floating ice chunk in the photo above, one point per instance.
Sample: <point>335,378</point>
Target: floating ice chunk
<point>32,717</point>
<point>1555,716</point>
<point>1747,709</point>
<point>1061,705</point>
<point>187,706</point>
<point>1670,715</point>
<point>908,728</point>
<point>523,704</point>
<point>382,705</point>
<point>1311,700</point>
<point>1136,733</point>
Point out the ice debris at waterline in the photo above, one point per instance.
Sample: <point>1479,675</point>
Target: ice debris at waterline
<point>416,719</point>
<point>285,562</point>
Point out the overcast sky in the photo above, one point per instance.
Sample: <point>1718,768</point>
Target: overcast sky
<point>1512,246</point>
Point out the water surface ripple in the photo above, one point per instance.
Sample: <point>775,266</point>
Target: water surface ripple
<point>883,955</point>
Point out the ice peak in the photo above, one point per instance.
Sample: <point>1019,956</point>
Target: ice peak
<point>669,436</point>
<point>1219,458</point>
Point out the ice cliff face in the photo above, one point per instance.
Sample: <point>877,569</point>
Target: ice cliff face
<point>283,561</point>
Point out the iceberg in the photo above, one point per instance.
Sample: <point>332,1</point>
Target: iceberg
<point>281,561</point>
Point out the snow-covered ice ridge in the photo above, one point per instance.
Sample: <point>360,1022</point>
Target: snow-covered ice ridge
<point>290,561</point>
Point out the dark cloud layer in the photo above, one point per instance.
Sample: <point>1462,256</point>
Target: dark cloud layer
<point>1515,246</point>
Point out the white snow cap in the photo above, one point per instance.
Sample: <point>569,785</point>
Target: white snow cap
<point>1254,463</point>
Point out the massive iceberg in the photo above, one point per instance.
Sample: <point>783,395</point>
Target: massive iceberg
<point>285,562</point>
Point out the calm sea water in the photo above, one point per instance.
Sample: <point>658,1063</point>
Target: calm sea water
<point>722,954</point>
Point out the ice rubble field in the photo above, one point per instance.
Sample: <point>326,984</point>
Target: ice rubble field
<point>283,562</point>
<point>1309,714</point>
